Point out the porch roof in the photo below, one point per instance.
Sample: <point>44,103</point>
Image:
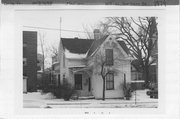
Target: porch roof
<point>81,69</point>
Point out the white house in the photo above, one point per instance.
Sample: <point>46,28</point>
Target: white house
<point>80,64</point>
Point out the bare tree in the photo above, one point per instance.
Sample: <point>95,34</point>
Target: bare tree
<point>100,62</point>
<point>103,27</point>
<point>53,50</point>
<point>42,46</point>
<point>140,35</point>
<point>88,31</point>
<point>101,66</point>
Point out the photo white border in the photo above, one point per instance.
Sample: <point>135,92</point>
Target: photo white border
<point>159,12</point>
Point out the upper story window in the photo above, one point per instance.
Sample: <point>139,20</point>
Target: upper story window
<point>109,56</point>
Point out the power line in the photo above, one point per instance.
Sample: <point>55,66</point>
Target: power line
<point>55,29</point>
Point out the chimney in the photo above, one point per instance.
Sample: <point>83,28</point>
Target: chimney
<point>97,34</point>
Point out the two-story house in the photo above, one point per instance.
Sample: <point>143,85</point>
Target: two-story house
<point>80,63</point>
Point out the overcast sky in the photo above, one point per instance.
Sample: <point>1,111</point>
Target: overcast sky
<point>70,20</point>
<point>73,20</point>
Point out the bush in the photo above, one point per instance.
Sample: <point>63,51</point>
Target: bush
<point>65,91</point>
<point>48,88</point>
<point>57,92</point>
<point>68,90</point>
<point>127,90</point>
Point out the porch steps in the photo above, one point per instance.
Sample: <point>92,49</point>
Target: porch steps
<point>86,97</point>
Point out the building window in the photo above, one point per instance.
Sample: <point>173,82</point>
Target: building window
<point>110,81</point>
<point>109,56</point>
<point>78,81</point>
<point>59,81</point>
<point>63,60</point>
<point>24,61</point>
<point>24,45</point>
<point>64,78</point>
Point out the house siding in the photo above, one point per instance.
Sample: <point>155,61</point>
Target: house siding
<point>122,65</point>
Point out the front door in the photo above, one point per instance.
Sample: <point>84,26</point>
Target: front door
<point>78,81</point>
<point>59,82</point>
<point>89,80</point>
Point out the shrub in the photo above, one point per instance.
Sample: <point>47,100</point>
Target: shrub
<point>48,88</point>
<point>65,91</point>
<point>57,92</point>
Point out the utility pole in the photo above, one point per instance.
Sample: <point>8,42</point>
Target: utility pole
<point>59,56</point>
<point>60,27</point>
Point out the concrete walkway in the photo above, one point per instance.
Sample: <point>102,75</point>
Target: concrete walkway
<point>37,100</point>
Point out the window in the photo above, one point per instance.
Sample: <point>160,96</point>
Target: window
<point>64,78</point>
<point>24,61</point>
<point>59,82</point>
<point>63,60</point>
<point>24,45</point>
<point>78,81</point>
<point>110,81</point>
<point>109,56</point>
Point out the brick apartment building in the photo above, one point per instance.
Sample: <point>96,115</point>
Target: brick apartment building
<point>30,59</point>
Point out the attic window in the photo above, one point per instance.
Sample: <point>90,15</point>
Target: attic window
<point>110,38</point>
<point>109,57</point>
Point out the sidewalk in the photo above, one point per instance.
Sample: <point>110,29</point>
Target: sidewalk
<point>37,100</point>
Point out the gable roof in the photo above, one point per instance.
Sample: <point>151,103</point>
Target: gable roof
<point>75,45</point>
<point>95,45</point>
<point>82,46</point>
<point>124,47</point>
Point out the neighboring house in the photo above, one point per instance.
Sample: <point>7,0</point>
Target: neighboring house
<point>39,69</point>
<point>137,81</point>
<point>78,65</point>
<point>55,71</point>
<point>46,81</point>
<point>154,54</point>
<point>153,73</point>
<point>39,62</point>
<point>30,60</point>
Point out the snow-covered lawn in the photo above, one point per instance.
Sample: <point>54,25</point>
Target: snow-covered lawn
<point>38,100</point>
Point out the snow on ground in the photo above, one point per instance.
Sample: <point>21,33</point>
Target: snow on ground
<point>38,100</point>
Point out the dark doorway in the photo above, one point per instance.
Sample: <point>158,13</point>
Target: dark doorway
<point>89,84</point>
<point>78,81</point>
<point>59,82</point>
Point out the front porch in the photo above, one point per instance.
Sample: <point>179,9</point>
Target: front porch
<point>81,81</point>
